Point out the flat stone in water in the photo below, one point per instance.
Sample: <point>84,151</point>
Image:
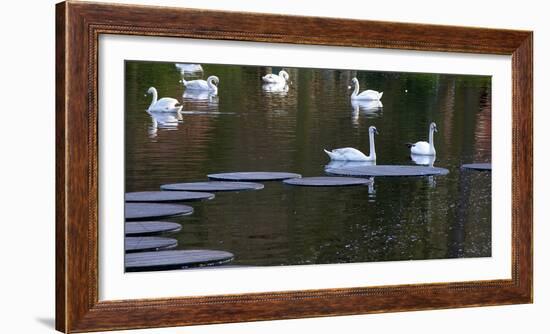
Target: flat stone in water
<point>147,228</point>
<point>327,181</point>
<point>175,259</point>
<point>478,166</point>
<point>167,196</point>
<point>213,186</point>
<point>387,170</point>
<point>254,176</point>
<point>142,244</point>
<point>143,211</point>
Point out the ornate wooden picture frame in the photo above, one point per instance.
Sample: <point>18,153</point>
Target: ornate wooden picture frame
<point>78,27</point>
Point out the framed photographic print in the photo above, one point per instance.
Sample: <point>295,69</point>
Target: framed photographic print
<point>220,167</point>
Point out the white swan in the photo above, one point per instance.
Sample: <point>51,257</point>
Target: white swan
<point>366,95</point>
<point>166,104</point>
<point>422,147</point>
<point>352,154</point>
<point>209,85</point>
<point>271,78</point>
<point>192,68</point>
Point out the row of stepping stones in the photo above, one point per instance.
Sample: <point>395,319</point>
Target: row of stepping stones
<point>142,248</point>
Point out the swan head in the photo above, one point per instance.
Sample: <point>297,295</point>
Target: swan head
<point>372,129</point>
<point>433,127</point>
<point>214,79</point>
<point>151,90</point>
<point>354,82</point>
<point>284,74</point>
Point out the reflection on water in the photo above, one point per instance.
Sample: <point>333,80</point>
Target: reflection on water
<point>424,160</point>
<point>365,108</point>
<point>247,128</point>
<point>163,120</point>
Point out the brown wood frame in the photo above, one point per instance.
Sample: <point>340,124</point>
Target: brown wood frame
<point>78,25</point>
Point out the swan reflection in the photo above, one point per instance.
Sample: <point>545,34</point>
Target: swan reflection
<point>200,95</point>
<point>163,120</point>
<point>423,160</point>
<point>349,164</point>
<point>367,108</point>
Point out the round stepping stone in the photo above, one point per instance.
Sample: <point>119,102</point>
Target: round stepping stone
<point>213,186</point>
<point>175,259</point>
<point>166,196</point>
<point>142,211</point>
<point>142,244</point>
<point>387,170</point>
<point>140,229</point>
<point>478,166</point>
<point>327,181</point>
<point>253,176</point>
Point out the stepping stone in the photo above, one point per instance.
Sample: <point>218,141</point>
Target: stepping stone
<point>253,176</point>
<point>478,166</point>
<point>175,259</point>
<point>140,229</point>
<point>166,196</point>
<point>213,186</point>
<point>143,211</point>
<point>387,170</point>
<point>142,244</point>
<point>327,181</point>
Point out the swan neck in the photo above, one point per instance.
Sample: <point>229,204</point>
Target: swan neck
<point>356,89</point>
<point>431,138</point>
<point>372,152</point>
<point>155,98</point>
<point>211,85</point>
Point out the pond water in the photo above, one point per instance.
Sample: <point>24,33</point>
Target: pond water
<point>247,128</point>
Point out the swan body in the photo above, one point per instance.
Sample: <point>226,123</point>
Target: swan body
<point>165,104</point>
<point>280,78</point>
<point>275,87</point>
<point>209,84</point>
<point>365,95</point>
<point>422,147</point>
<point>189,68</point>
<point>352,154</point>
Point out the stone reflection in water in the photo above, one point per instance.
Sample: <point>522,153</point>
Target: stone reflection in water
<point>250,128</point>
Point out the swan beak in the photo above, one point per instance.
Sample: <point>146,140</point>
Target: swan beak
<point>375,131</point>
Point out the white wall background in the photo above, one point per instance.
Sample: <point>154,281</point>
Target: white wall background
<point>27,144</point>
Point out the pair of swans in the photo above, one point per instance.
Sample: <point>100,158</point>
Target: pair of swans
<point>420,148</point>
<point>368,95</point>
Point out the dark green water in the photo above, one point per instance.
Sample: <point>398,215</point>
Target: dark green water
<point>248,129</point>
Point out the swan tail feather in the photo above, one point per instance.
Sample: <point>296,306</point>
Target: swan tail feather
<point>380,95</point>
<point>329,153</point>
